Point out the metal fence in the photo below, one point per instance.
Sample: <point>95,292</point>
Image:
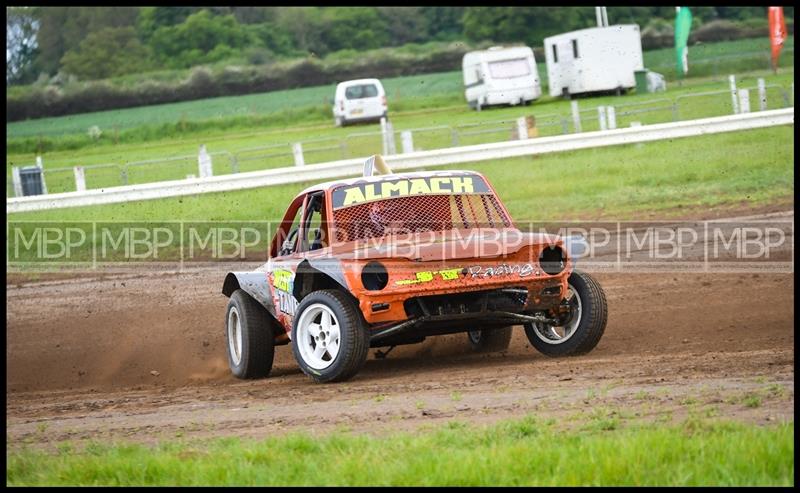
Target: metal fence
<point>659,109</point>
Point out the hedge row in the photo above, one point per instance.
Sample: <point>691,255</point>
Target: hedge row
<point>231,81</point>
<point>38,102</point>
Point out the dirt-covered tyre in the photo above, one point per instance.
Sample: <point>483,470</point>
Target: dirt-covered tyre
<point>249,337</point>
<point>329,340</point>
<point>490,340</point>
<point>581,329</point>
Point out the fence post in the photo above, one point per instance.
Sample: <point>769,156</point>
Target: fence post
<point>454,137</point>
<point>675,111</point>
<point>297,150</point>
<point>234,164</point>
<point>522,128</point>
<point>390,137</point>
<point>576,116</point>
<point>80,178</point>
<point>601,116</point>
<point>123,174</point>
<point>407,140</point>
<point>564,126</point>
<point>735,101</point>
<point>15,178</point>
<point>762,95</point>
<point>611,113</point>
<point>384,137</point>
<point>204,163</point>
<point>744,101</point>
<point>41,171</point>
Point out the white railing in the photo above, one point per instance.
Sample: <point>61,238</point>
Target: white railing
<point>438,157</point>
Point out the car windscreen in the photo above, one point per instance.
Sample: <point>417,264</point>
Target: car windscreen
<point>506,69</point>
<point>374,209</point>
<point>361,91</point>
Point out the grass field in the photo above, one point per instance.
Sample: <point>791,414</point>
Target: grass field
<point>529,451</point>
<point>403,92</point>
<point>664,177</point>
<point>262,148</point>
<point>755,167</point>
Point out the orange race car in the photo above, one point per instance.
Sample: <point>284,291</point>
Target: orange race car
<point>391,259</point>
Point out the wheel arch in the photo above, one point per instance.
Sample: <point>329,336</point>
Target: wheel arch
<point>256,286</point>
<point>316,275</point>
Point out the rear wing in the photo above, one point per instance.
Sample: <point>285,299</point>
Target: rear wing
<point>375,163</point>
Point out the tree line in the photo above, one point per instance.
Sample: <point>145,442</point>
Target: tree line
<point>102,42</point>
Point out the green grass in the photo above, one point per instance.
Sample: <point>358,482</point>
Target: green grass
<point>228,144</point>
<point>312,103</point>
<point>398,90</point>
<point>620,182</point>
<point>520,452</point>
<point>752,167</point>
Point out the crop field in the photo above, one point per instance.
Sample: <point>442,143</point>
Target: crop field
<point>412,92</point>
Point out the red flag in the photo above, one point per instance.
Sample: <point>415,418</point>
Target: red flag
<point>777,33</point>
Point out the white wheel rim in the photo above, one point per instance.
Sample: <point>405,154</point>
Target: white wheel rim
<point>318,336</point>
<point>234,336</point>
<point>561,334</point>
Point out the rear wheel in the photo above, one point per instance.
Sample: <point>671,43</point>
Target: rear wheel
<point>249,337</point>
<point>490,340</point>
<point>581,327</point>
<point>329,340</point>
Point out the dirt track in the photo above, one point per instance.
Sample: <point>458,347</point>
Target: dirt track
<point>143,358</point>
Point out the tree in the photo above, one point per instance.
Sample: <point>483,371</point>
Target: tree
<point>444,23</point>
<point>107,53</point>
<point>202,38</point>
<point>62,29</point>
<point>404,24</point>
<point>304,24</point>
<point>529,25</point>
<point>21,47</point>
<point>353,28</point>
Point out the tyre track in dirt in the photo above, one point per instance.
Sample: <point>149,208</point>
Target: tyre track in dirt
<point>80,353</point>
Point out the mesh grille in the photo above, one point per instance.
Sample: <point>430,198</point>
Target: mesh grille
<point>419,214</point>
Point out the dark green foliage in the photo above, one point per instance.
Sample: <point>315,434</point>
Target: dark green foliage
<point>285,47</point>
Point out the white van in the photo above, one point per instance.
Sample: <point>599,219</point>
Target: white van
<point>500,76</point>
<point>359,100</point>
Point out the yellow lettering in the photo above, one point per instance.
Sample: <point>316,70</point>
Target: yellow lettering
<point>436,185</point>
<point>399,189</point>
<point>370,195</point>
<point>450,274</point>
<point>353,196</point>
<point>282,279</point>
<point>463,185</point>
<point>419,186</point>
<point>425,276</point>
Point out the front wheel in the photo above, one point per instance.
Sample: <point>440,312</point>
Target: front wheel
<point>329,340</point>
<point>581,327</point>
<point>490,340</point>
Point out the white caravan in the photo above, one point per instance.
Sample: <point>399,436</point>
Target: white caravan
<point>594,59</point>
<point>359,100</point>
<point>500,76</point>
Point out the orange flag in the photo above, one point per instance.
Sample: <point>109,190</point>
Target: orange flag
<point>777,33</point>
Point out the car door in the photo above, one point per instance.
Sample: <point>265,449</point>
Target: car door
<point>301,233</point>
